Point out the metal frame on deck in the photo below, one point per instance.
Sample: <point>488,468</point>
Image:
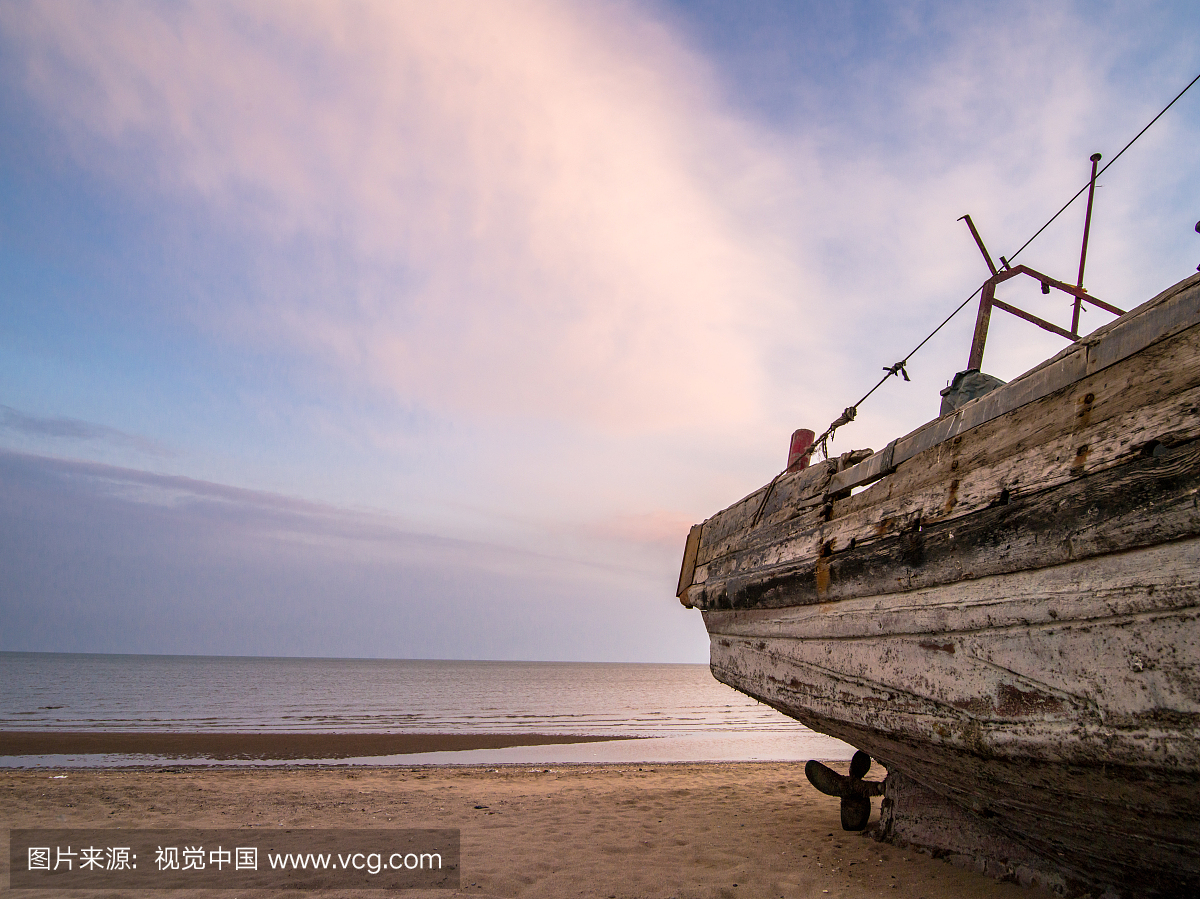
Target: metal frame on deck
<point>988,299</point>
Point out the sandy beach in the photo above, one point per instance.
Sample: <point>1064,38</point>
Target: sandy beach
<point>679,830</point>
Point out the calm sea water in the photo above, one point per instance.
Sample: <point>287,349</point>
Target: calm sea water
<point>685,713</point>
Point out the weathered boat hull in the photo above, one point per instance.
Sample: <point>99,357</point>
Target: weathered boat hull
<point>1007,617</point>
<point>1033,703</point>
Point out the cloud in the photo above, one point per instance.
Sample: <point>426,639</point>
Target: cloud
<point>97,558</point>
<point>662,529</point>
<point>235,513</point>
<point>524,209</point>
<point>60,428</point>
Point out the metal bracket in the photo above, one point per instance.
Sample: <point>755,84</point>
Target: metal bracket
<point>987,299</point>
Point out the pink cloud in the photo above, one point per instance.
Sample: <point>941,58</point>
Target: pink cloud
<point>660,528</point>
<point>557,180</point>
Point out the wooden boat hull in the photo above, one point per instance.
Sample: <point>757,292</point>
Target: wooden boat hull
<point>1033,702</point>
<point>1007,617</point>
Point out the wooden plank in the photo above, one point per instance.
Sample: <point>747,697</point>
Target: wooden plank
<point>795,541</point>
<point>989,407</point>
<point>796,493</point>
<point>874,468</point>
<point>689,560</point>
<point>1141,383</point>
<point>1128,673</point>
<point>1145,581</point>
<point>1137,330</point>
<point>964,490</point>
<point>727,530</point>
<point>1043,382</point>
<point>960,699</point>
<point>949,488</point>
<point>1137,504</point>
<point>775,513</point>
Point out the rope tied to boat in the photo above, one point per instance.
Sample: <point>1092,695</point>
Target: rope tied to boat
<point>848,415</point>
<point>822,442</point>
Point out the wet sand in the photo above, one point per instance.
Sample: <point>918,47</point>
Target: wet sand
<point>679,830</point>
<point>249,746</point>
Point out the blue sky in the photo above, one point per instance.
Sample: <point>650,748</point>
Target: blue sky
<point>426,330</point>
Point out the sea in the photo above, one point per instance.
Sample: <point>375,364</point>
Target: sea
<point>680,712</point>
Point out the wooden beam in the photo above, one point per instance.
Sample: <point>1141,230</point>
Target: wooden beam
<point>1144,502</point>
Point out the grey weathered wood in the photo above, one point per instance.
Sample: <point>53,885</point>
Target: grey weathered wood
<point>872,469</point>
<point>1167,314</point>
<point>1126,415</point>
<point>788,491</point>
<point>1052,690</point>
<point>1137,504</point>
<point>1112,413</point>
<point>1084,590</point>
<point>688,570</point>
<point>1046,686</point>
<point>937,492</point>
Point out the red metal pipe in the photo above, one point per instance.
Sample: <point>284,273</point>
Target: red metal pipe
<point>801,449</point>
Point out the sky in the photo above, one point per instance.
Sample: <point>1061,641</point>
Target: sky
<point>412,330</point>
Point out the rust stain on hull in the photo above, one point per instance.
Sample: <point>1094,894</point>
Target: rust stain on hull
<point>822,577</point>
